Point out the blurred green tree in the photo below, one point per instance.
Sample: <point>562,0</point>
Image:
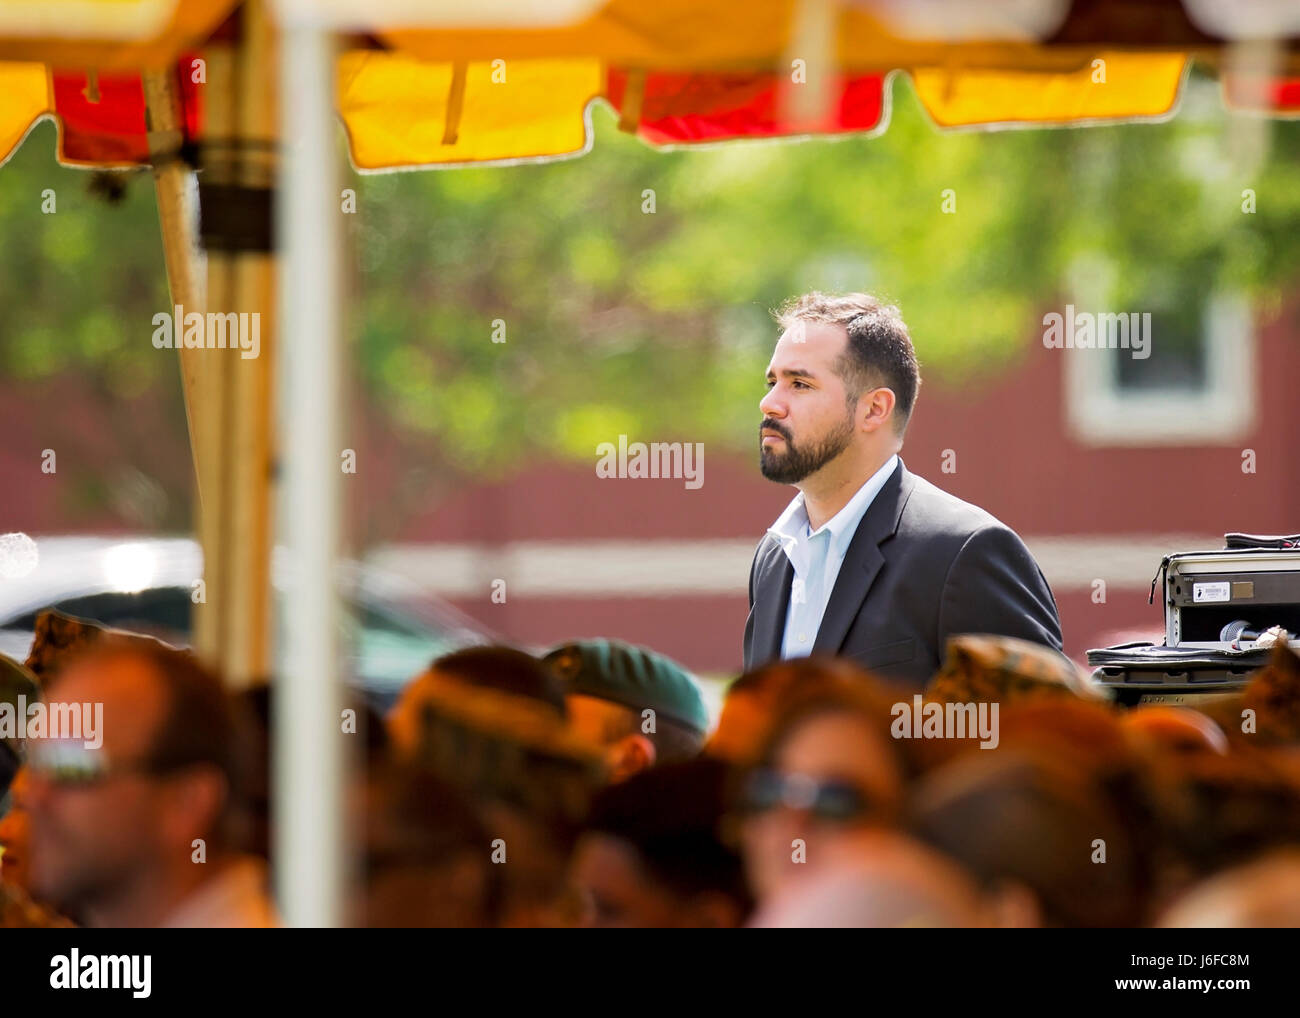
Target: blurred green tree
<point>656,325</point>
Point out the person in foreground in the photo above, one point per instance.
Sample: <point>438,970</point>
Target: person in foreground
<point>142,829</point>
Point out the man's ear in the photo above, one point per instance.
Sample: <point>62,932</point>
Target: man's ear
<point>630,755</point>
<point>877,408</point>
<point>195,800</point>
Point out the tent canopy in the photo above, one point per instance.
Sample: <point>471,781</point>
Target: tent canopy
<point>678,72</point>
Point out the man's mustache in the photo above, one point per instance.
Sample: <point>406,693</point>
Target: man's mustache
<point>774,426</point>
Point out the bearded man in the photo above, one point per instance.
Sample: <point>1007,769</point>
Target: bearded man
<point>870,561</point>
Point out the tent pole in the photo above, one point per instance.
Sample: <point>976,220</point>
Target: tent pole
<point>308,746</point>
<point>178,215</point>
<point>176,188</point>
<point>249,465</point>
<point>212,408</point>
<point>228,391</point>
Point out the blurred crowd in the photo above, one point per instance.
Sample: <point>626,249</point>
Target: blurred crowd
<point>590,786</point>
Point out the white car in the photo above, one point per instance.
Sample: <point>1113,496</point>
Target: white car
<point>392,630</point>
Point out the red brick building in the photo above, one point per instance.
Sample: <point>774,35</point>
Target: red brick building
<point>1100,474</point>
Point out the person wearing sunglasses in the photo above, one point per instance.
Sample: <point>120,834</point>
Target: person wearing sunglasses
<point>141,829</point>
<point>828,774</point>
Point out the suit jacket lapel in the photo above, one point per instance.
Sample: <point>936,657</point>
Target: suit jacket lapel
<point>771,602</point>
<point>863,561</point>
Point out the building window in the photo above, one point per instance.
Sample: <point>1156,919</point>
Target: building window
<point>1195,384</point>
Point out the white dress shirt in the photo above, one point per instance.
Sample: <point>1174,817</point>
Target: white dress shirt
<point>817,557</point>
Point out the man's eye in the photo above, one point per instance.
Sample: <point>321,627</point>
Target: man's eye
<point>769,383</point>
<point>798,384</point>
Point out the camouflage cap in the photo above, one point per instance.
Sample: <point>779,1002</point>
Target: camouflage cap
<point>58,637</point>
<point>15,681</point>
<point>979,667</point>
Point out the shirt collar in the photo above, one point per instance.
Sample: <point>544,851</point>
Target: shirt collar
<point>792,527</point>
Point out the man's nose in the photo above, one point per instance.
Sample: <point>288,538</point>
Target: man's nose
<point>771,405</point>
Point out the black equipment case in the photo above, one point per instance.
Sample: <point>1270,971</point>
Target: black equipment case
<point>1218,607</point>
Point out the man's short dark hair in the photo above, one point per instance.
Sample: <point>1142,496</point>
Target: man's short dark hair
<point>505,669</point>
<point>199,718</point>
<point>414,817</point>
<point>879,351</point>
<point>672,816</point>
<point>201,723</point>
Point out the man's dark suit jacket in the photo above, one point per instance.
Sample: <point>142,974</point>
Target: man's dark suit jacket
<point>922,566</point>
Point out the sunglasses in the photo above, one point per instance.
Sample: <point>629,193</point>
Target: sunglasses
<point>830,799</point>
<point>69,763</point>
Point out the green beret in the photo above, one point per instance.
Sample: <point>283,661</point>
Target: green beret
<point>631,676</point>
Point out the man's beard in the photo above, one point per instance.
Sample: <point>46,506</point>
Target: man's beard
<point>797,462</point>
<point>80,881</point>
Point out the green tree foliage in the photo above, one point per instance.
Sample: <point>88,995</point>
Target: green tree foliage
<point>657,325</point>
